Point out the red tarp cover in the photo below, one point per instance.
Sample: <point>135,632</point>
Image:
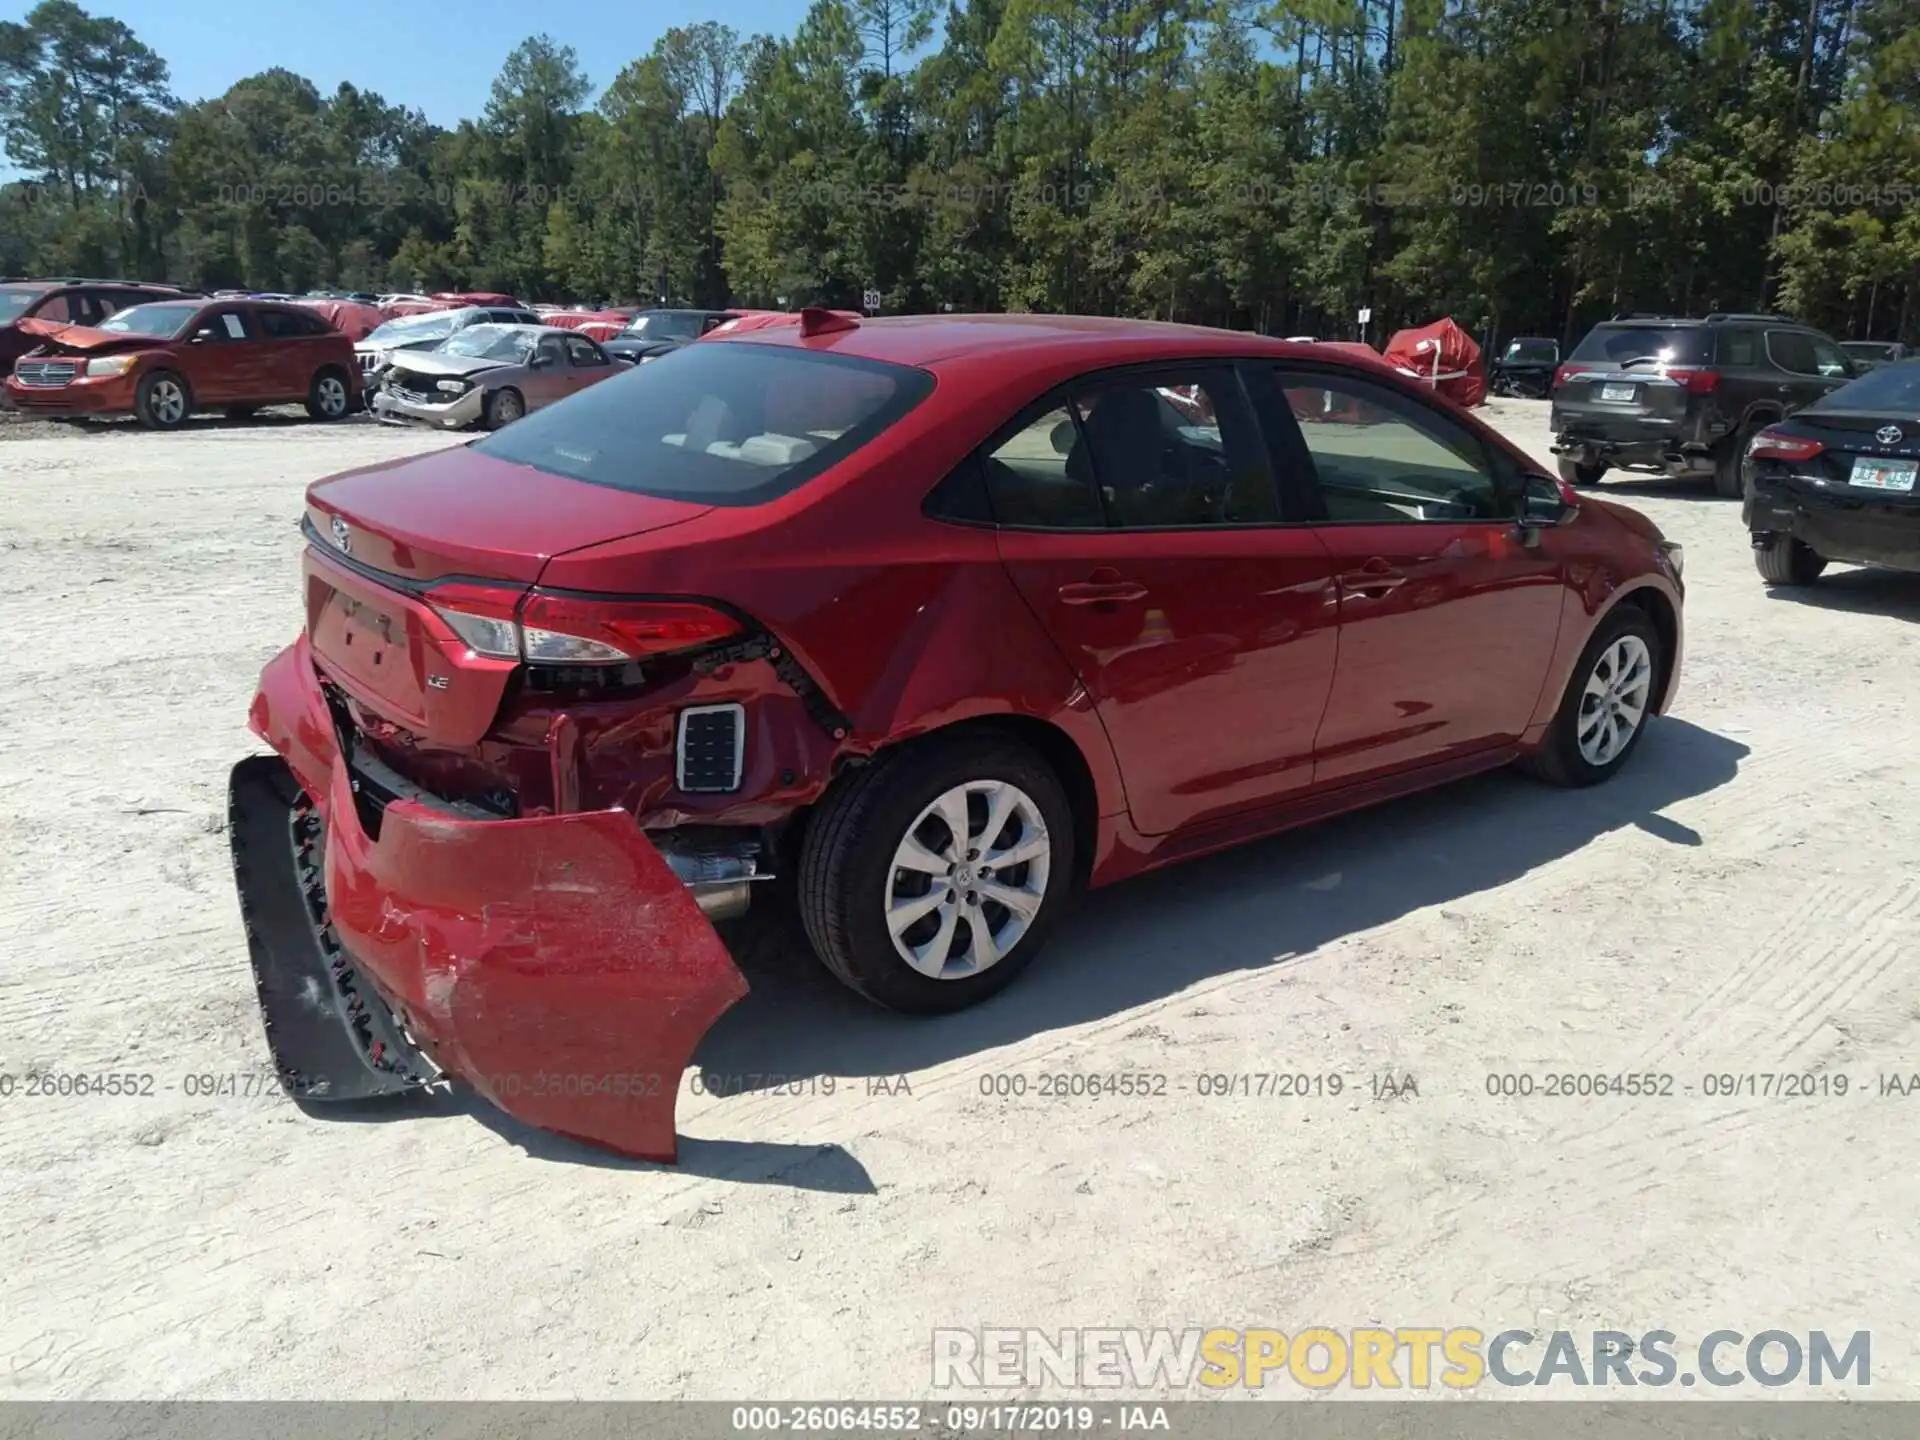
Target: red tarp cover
<point>356,320</point>
<point>475,297</point>
<point>600,324</point>
<point>1443,355</point>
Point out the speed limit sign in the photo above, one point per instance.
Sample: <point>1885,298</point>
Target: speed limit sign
<point>870,300</point>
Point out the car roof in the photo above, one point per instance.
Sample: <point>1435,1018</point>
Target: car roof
<point>929,341</point>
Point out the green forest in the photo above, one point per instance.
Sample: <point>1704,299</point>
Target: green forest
<point>1523,165</point>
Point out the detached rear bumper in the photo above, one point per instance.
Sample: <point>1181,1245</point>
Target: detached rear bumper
<point>557,965</point>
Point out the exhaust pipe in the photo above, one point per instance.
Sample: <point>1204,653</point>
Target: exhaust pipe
<point>721,879</point>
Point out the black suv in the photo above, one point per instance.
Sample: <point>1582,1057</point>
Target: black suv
<point>66,300</point>
<point>1683,397</point>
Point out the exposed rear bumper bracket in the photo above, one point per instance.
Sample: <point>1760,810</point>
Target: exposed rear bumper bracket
<point>331,1035</point>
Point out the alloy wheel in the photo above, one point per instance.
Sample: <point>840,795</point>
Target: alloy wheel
<point>1614,703</point>
<point>967,879</point>
<point>167,402</point>
<point>332,394</point>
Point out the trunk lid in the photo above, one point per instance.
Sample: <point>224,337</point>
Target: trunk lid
<point>457,513</point>
<point>1616,397</point>
<point>389,542</point>
<point>1628,375</point>
<point>1857,456</point>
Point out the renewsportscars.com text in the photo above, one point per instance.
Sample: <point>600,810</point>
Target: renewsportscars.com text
<point>1413,1358</point>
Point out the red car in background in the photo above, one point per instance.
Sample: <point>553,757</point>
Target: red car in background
<point>64,302</point>
<point>163,361</point>
<point>945,617</point>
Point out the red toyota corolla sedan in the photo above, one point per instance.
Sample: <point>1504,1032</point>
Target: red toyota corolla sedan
<point>946,618</point>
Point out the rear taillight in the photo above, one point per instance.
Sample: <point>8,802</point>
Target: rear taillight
<point>588,630</point>
<point>1561,374</point>
<point>1778,445</point>
<point>544,628</point>
<point>481,616</point>
<point>1697,379</point>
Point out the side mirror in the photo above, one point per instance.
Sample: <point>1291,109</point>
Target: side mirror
<point>539,361</point>
<point>1543,504</point>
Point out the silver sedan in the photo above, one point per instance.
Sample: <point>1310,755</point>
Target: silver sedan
<point>491,375</point>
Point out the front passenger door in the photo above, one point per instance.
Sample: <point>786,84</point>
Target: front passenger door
<point>1447,619</point>
<point>222,361</point>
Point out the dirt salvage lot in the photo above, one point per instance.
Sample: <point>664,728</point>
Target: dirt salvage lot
<point>1745,899</point>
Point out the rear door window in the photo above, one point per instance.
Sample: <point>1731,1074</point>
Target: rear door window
<point>724,424</point>
<point>1740,348</point>
<point>1792,350</point>
<point>1625,344</point>
<point>584,353</point>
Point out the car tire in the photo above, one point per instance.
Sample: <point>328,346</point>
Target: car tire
<point>1727,483</point>
<point>162,401</point>
<point>1576,473</point>
<point>503,407</point>
<point>330,396</point>
<point>1625,644</point>
<point>1787,561</point>
<point>849,876</point>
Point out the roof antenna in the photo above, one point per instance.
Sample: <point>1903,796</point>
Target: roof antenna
<point>815,320</point>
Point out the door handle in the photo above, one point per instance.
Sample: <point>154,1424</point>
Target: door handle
<point>1103,587</point>
<point>1376,577</point>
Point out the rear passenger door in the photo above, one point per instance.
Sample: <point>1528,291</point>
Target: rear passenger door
<point>288,343</point>
<point>1810,366</point>
<point>1447,621</point>
<point>1138,517</point>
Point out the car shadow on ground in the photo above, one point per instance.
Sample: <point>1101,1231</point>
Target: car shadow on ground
<point>1875,592</point>
<point>1268,903</point>
<point>827,1168</point>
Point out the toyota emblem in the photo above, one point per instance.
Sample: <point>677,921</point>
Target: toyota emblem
<point>1889,434</point>
<point>342,535</point>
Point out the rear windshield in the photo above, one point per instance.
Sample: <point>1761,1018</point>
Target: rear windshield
<point>159,320</point>
<point>715,424</point>
<point>14,303</point>
<point>1893,389</point>
<point>1649,344</point>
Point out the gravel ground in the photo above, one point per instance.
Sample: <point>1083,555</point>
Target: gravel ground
<point>1742,900</point>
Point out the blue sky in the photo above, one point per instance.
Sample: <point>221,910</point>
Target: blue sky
<point>439,58</point>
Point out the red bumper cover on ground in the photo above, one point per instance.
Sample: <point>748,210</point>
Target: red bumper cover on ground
<point>556,964</point>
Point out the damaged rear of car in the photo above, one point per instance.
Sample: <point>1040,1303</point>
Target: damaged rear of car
<point>507,797</point>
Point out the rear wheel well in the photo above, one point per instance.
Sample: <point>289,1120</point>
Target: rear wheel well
<point>1657,608</point>
<point>1048,741</point>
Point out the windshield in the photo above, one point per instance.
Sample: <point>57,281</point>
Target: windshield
<point>1869,349</point>
<point>411,329</point>
<point>664,325</point>
<point>715,424</point>
<point>1892,390</point>
<point>158,320</point>
<point>1533,352</point>
<point>492,342</point>
<point>14,303</point>
<point>1648,345</point>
